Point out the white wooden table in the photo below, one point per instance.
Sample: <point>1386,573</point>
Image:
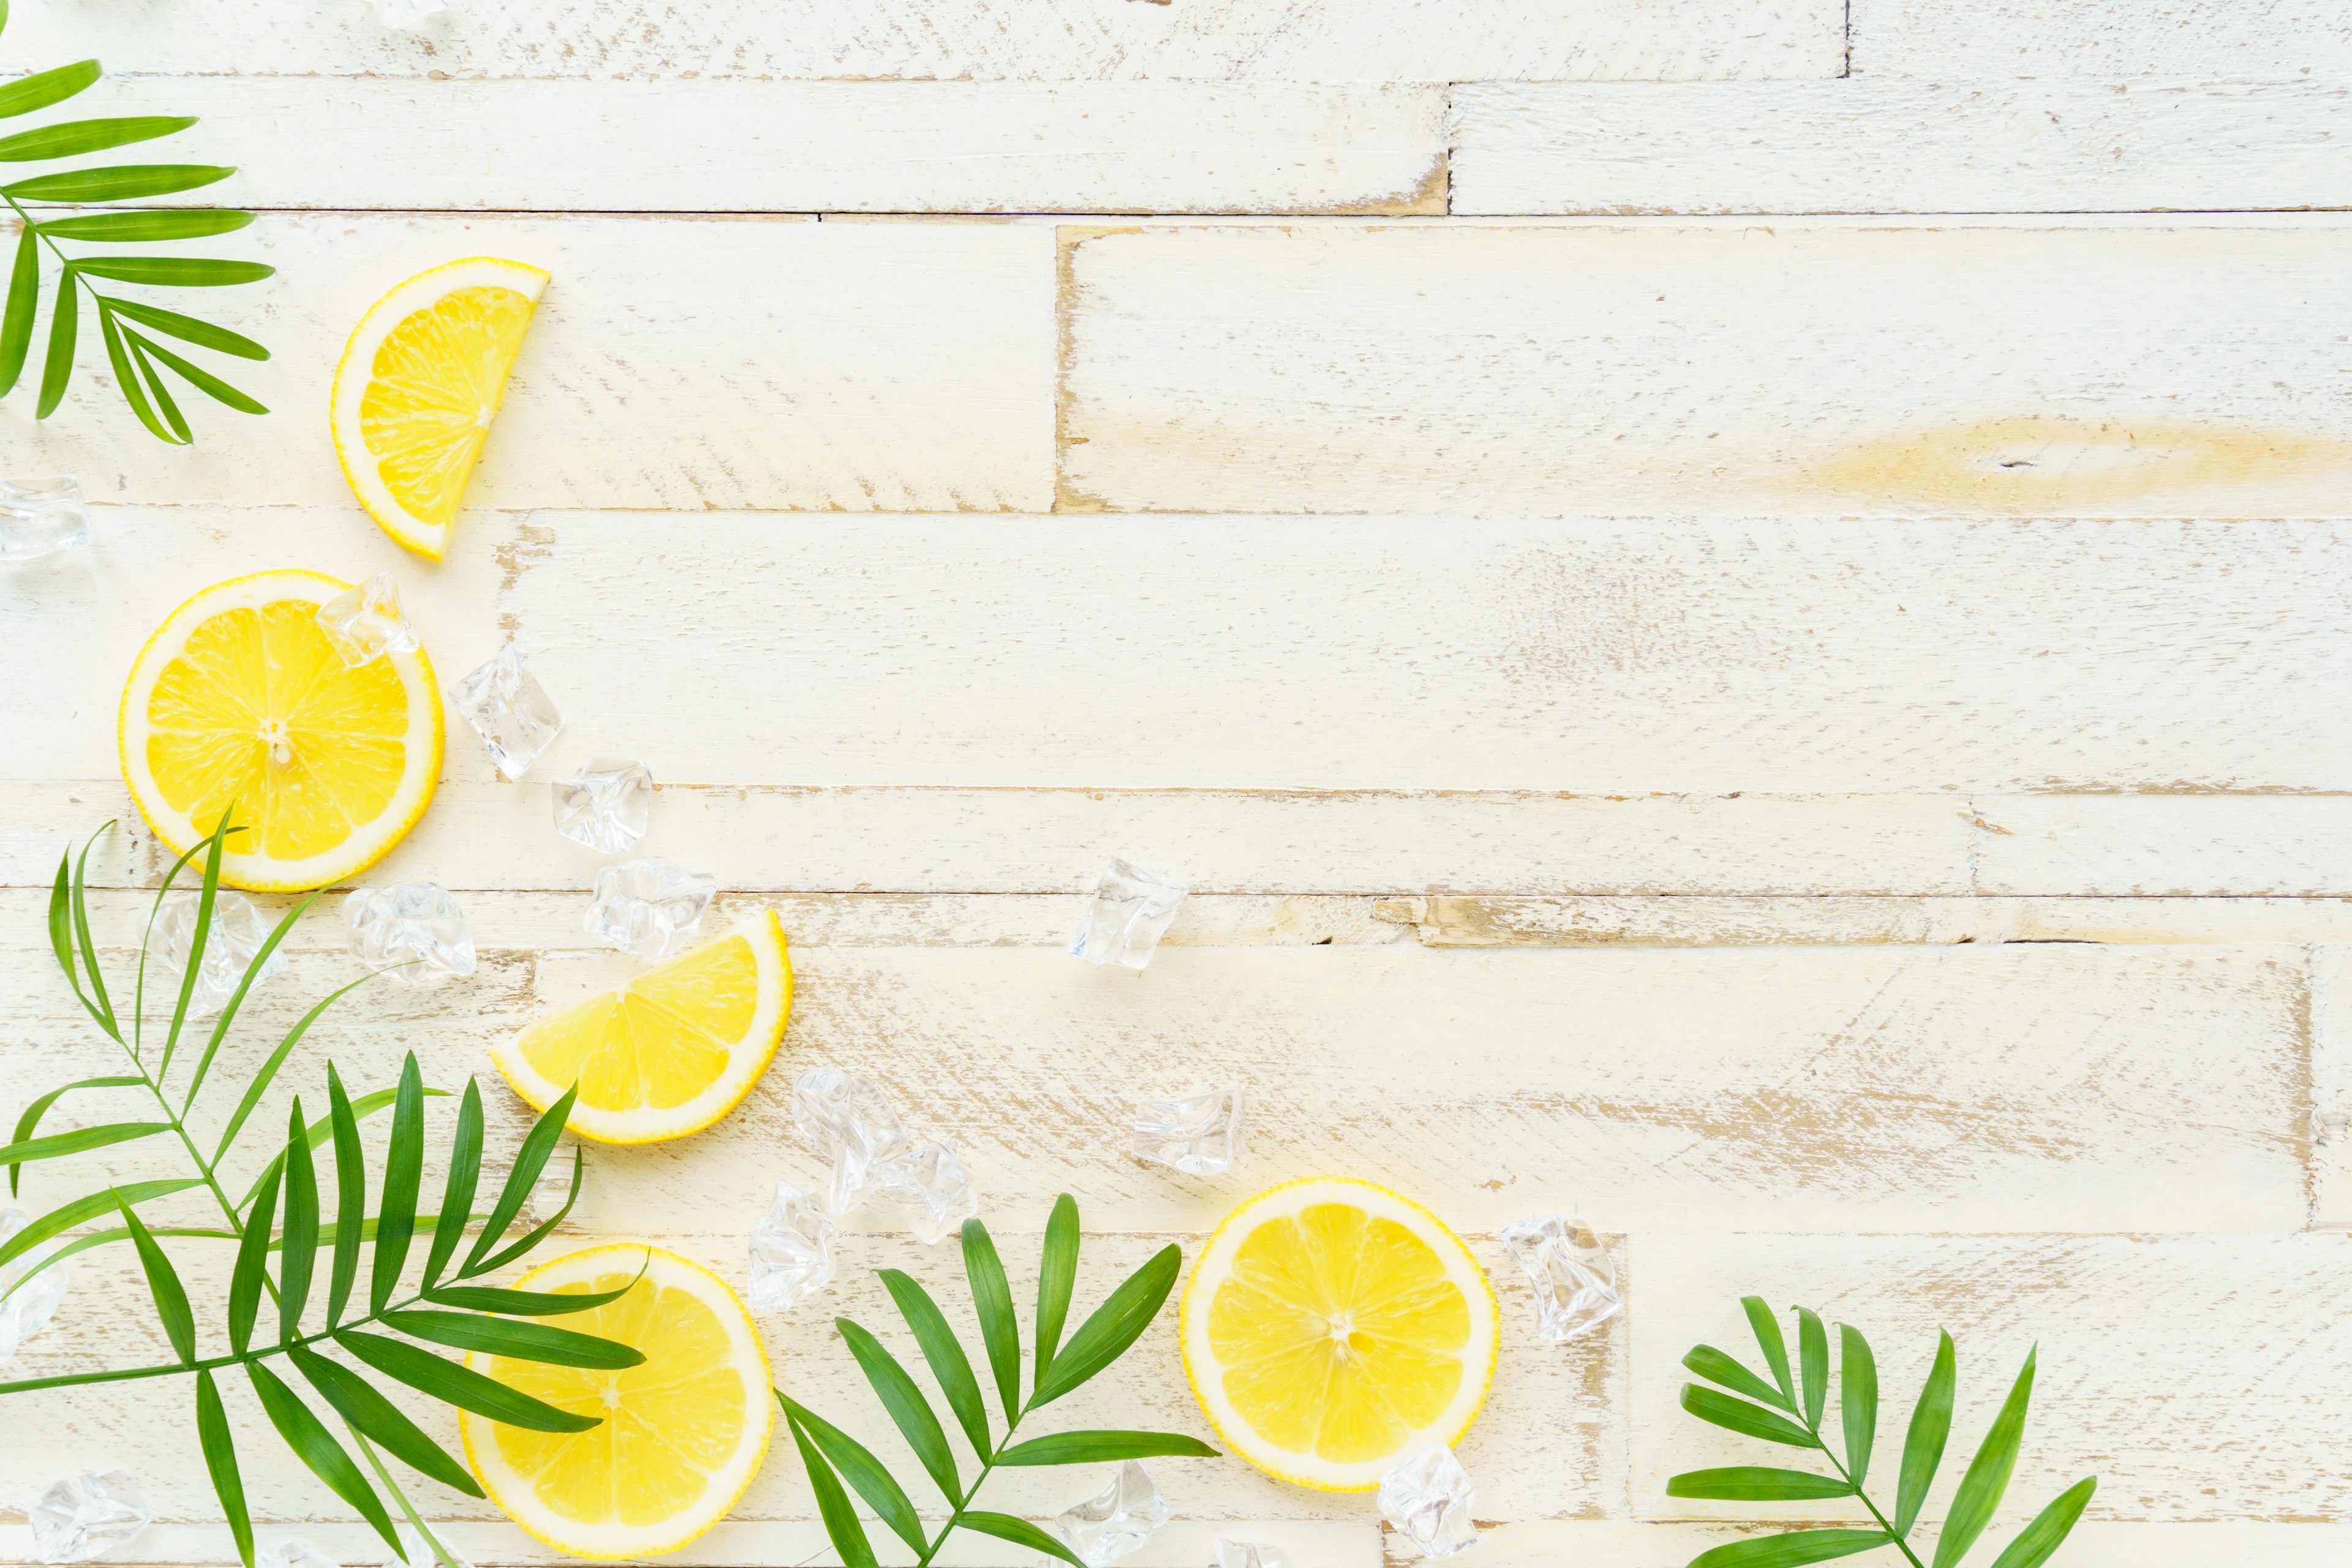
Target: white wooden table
<point>1739,616</point>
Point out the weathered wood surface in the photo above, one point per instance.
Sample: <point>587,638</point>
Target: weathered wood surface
<point>2232,41</point>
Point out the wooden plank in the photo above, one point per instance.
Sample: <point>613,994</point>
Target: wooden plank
<point>2013,1088</point>
<point>1887,144</point>
<point>1806,366</point>
<point>1556,1413</point>
<point>1450,921</point>
<point>2154,845</point>
<point>674,362</point>
<point>2237,40</point>
<point>979,40</point>
<point>781,146</point>
<point>2331,1086</point>
<point>2135,1334</point>
<point>2095,1543</point>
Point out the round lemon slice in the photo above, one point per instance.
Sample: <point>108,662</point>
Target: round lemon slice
<point>239,704</point>
<point>682,1434</point>
<point>670,1052</point>
<point>419,383</point>
<point>1332,1330</point>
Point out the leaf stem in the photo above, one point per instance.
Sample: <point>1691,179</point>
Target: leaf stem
<point>1859,1496</point>
<point>987,1466</point>
<point>367,1451</point>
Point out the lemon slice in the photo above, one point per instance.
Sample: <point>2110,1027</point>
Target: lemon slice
<point>682,1434</point>
<point>670,1052</point>
<point>238,703</point>
<point>417,386</point>
<point>1332,1330</point>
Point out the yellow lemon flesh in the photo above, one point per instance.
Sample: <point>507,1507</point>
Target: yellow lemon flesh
<point>680,1436</point>
<point>670,1052</point>
<point>1332,1329</point>
<point>238,703</point>
<point>419,383</point>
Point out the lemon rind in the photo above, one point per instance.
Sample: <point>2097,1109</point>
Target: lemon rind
<point>242,871</point>
<point>605,1126</point>
<point>764,1406</point>
<point>1248,1445</point>
<point>397,303</point>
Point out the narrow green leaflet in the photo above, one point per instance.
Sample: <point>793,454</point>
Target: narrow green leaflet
<point>1103,1338</point>
<point>404,1170</point>
<point>65,1217</point>
<point>207,900</point>
<point>525,1342</point>
<point>992,1299</point>
<point>907,1408</point>
<point>862,1471</point>
<point>1756,1483</point>
<point>1057,1275</point>
<point>1792,1549</point>
<point>246,982</point>
<point>164,1284</point>
<point>1738,1416</point>
<point>133,384</point>
<point>57,1145</point>
<point>458,1189</point>
<point>72,138</point>
<point>1923,1446</point>
<point>196,376</point>
<point>181,272</point>
<point>302,1240</point>
<point>461,1387</point>
<point>1857,1400</point>
<point>253,1261</point>
<point>380,1420</point>
<point>945,1357</point>
<point>1767,1329</point>
<point>523,1303</point>
<point>529,1161</point>
<point>1813,1364</point>
<point>841,1523</point>
<point>1104,1448</point>
<point>203,334</point>
<point>261,1081</point>
<point>317,1448</point>
<point>1988,1474</point>
<point>1717,1367</point>
<point>1021,1532</point>
<point>16,340</point>
<point>45,88</point>
<point>351,1196</point>
<point>220,1463</point>
<point>146,228</point>
<point>2037,1540</point>
<point>126,183</point>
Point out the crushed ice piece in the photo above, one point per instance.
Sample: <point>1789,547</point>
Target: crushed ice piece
<point>292,1553</point>
<point>1250,1554</point>
<point>408,14</point>
<point>1198,1135</point>
<point>40,517</point>
<point>31,1304</point>
<point>1116,1520</point>
<point>509,710</point>
<point>792,1251</point>
<point>87,1516</point>
<point>1129,913</point>
<point>605,803</point>
<point>932,1188</point>
<point>1427,1501</point>
<point>647,907</point>
<point>414,1554</point>
<point>237,934</point>
<point>852,1122</point>
<point>363,622</point>
<point>1574,1279</point>
<point>414,932</point>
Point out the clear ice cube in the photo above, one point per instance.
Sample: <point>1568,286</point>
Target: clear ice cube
<point>852,1122</point>
<point>1198,1135</point>
<point>414,1554</point>
<point>87,1516</point>
<point>510,710</point>
<point>237,932</point>
<point>363,622</point>
<point>932,1188</point>
<point>1129,913</point>
<point>414,932</point>
<point>1575,1280</point>
<point>1250,1554</point>
<point>40,517</point>
<point>605,803</point>
<point>405,14</point>
<point>1427,1501</point>
<point>792,1251</point>
<point>1116,1520</point>
<point>647,907</point>
<point>32,1301</point>
<point>293,1553</point>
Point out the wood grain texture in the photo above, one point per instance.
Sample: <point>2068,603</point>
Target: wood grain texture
<point>2118,1384</point>
<point>2096,1544</point>
<point>1887,144</point>
<point>780,146</point>
<point>2331,1086</point>
<point>979,40</point>
<point>680,363</point>
<point>2146,368</point>
<point>2239,40</point>
<point>2014,1088</point>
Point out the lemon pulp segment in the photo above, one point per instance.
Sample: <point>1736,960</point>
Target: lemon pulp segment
<point>434,387</point>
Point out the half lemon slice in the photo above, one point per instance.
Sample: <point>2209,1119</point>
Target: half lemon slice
<point>1332,1329</point>
<point>670,1052</point>
<point>419,383</point>
<point>239,704</point>
<point>682,1434</point>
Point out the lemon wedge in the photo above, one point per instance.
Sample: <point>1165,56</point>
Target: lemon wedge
<point>1332,1329</point>
<point>238,703</point>
<point>419,383</point>
<point>670,1052</point>
<point>682,1433</point>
